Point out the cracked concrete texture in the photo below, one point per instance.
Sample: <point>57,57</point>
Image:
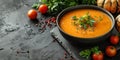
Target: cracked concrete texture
<point>16,43</point>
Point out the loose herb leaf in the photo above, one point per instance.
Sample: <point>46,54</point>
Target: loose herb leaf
<point>85,26</point>
<point>85,53</point>
<point>35,5</point>
<point>95,49</point>
<point>89,2</point>
<point>81,18</point>
<point>91,23</point>
<point>43,1</point>
<point>74,18</point>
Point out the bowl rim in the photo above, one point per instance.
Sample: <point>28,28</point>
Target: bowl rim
<point>85,7</point>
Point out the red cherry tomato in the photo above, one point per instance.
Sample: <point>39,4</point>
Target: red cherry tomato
<point>98,56</point>
<point>32,14</point>
<point>110,51</point>
<point>43,8</point>
<point>114,39</point>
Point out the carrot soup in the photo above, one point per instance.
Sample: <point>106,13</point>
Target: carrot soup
<point>85,23</point>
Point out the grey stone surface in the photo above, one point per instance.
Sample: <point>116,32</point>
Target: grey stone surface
<point>23,42</point>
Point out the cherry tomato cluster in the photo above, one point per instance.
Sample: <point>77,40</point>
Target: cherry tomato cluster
<point>110,51</point>
<point>32,13</point>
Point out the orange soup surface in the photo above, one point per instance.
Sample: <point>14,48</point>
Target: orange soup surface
<point>101,27</point>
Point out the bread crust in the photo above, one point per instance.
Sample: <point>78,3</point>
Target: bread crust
<point>107,5</point>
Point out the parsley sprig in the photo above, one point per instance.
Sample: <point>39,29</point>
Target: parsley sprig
<point>56,6</point>
<point>84,21</point>
<point>86,53</point>
<point>89,2</point>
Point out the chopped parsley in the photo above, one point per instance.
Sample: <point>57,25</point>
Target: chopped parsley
<point>84,21</point>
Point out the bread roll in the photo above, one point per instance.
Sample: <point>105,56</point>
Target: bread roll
<point>117,18</point>
<point>113,6</point>
<point>100,3</point>
<point>118,23</point>
<point>107,5</point>
<point>118,9</point>
<point>118,2</point>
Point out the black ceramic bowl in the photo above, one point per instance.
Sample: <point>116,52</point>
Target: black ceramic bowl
<point>85,40</point>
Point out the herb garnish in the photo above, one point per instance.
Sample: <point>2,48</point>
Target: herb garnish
<point>89,2</point>
<point>85,21</point>
<point>36,5</point>
<point>86,53</point>
<point>55,6</point>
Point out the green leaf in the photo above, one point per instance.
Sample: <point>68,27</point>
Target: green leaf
<point>55,6</point>
<point>74,18</point>
<point>91,22</point>
<point>44,1</point>
<point>81,18</point>
<point>85,53</point>
<point>89,2</point>
<point>35,5</point>
<point>95,49</point>
<point>72,4</point>
<point>85,21</point>
<point>85,26</point>
<point>93,2</point>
